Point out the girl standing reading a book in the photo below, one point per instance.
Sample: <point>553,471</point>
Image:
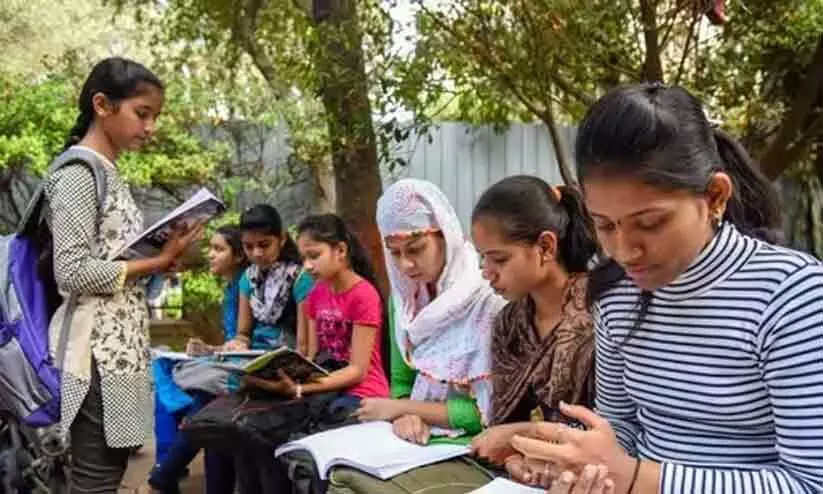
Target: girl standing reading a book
<point>107,403</point>
<point>227,261</point>
<point>441,326</point>
<point>273,288</point>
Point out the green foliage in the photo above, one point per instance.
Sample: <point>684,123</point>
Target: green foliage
<point>279,44</point>
<point>203,292</point>
<point>490,61</point>
<point>34,121</point>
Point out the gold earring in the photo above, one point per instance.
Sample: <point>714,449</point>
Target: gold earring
<point>718,219</point>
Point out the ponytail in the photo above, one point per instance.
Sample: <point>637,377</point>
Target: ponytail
<point>289,253</point>
<point>524,207</point>
<point>359,259</point>
<point>80,129</point>
<point>578,243</point>
<point>754,207</point>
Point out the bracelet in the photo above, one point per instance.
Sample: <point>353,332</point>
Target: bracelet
<point>299,391</point>
<point>634,476</point>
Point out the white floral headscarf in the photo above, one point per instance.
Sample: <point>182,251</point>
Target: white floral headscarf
<point>447,339</point>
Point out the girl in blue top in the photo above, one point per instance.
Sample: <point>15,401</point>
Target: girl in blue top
<point>226,250</point>
<point>273,288</point>
<point>228,261</point>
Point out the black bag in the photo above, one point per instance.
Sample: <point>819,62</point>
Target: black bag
<point>259,420</point>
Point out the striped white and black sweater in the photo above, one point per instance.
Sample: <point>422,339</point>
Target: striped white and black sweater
<point>723,381</point>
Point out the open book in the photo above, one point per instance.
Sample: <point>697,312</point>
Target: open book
<point>372,448</point>
<point>295,365</point>
<point>203,205</point>
<point>505,486</point>
<point>219,356</point>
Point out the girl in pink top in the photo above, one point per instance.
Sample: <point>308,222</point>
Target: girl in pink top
<point>345,313</point>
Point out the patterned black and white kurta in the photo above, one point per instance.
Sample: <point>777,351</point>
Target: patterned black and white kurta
<point>110,323</point>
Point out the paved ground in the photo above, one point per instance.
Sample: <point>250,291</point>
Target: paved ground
<point>140,465</point>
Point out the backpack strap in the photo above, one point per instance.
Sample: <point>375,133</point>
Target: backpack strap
<point>35,212</point>
<point>5,253</point>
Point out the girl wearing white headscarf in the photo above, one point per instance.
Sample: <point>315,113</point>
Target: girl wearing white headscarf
<point>441,322</point>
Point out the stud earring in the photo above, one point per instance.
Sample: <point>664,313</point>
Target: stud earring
<point>718,219</point>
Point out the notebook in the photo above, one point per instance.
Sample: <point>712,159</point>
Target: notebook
<point>506,486</point>
<point>387,457</point>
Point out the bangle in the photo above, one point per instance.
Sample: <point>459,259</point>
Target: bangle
<point>299,391</point>
<point>634,476</point>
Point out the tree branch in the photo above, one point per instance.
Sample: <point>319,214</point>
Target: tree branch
<point>671,20</point>
<point>546,115</point>
<point>245,32</point>
<point>803,144</point>
<point>560,148</point>
<point>772,161</point>
<point>487,54</point>
<point>696,15</point>
<point>652,66</point>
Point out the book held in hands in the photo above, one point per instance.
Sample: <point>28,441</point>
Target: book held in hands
<point>202,206</point>
<point>265,366</point>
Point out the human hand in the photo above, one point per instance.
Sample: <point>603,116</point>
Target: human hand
<point>412,428</point>
<point>176,266</point>
<point>283,385</point>
<point>573,449</point>
<point>235,345</point>
<point>179,240</point>
<point>494,444</point>
<point>197,347</point>
<point>378,409</point>
<point>593,480</point>
<point>530,472</point>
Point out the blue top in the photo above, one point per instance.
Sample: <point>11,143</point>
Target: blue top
<point>265,336</point>
<point>231,299</point>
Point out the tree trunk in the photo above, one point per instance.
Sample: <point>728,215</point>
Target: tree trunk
<point>818,159</point>
<point>782,150</point>
<point>652,66</point>
<point>561,152</point>
<point>344,91</point>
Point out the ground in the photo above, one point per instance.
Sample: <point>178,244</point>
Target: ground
<point>140,465</point>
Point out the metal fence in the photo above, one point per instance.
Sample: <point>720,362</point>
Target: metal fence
<point>465,160</point>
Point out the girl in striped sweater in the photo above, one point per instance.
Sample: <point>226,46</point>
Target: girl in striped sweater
<point>709,361</point>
